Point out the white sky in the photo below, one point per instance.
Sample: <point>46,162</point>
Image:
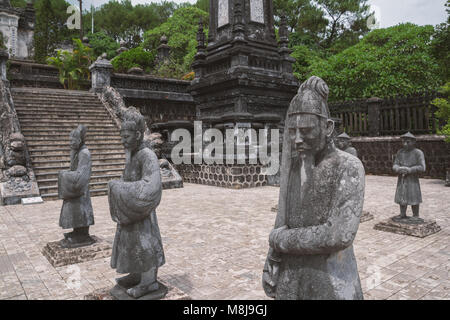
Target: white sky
<point>389,12</point>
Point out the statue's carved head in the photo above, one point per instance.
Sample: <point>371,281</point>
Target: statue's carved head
<point>133,128</point>
<point>343,141</point>
<point>78,137</point>
<point>309,124</point>
<point>16,141</point>
<point>408,141</point>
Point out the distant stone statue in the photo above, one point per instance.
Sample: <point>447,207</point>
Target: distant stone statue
<point>73,188</point>
<point>408,164</point>
<point>321,199</point>
<point>343,142</point>
<point>137,248</point>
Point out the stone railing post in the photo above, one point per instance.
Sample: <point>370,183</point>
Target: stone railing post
<point>101,71</point>
<point>373,108</point>
<point>4,56</point>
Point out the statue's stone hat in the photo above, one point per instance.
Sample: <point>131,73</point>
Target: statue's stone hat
<point>311,99</point>
<point>344,136</point>
<point>408,135</point>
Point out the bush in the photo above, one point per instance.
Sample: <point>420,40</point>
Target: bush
<point>387,62</point>
<point>100,43</point>
<point>443,113</point>
<point>136,57</point>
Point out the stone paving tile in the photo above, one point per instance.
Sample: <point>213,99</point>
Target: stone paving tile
<point>216,241</point>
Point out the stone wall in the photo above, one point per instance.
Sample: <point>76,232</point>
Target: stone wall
<point>224,175</point>
<point>377,154</point>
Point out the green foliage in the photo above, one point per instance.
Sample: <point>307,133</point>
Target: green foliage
<point>73,66</point>
<point>100,43</point>
<point>50,30</point>
<point>328,26</point>
<point>2,41</point>
<point>443,113</point>
<point>304,58</point>
<point>136,57</point>
<point>121,20</point>
<point>440,46</point>
<point>18,3</point>
<point>387,62</point>
<point>181,30</point>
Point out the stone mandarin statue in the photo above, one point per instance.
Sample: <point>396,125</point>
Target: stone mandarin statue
<point>320,203</point>
<point>408,163</point>
<point>73,187</point>
<point>133,199</point>
<point>343,142</point>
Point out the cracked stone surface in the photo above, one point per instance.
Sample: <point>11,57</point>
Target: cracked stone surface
<point>216,241</point>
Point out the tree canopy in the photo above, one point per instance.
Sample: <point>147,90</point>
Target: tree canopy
<point>387,62</point>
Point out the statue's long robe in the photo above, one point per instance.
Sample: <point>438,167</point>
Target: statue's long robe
<point>73,187</point>
<point>408,187</point>
<point>132,200</point>
<point>316,258</point>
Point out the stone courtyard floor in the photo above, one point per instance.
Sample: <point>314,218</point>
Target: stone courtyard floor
<point>216,240</point>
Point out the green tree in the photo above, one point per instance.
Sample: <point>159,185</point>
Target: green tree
<point>328,26</point>
<point>181,30</point>
<point>443,112</point>
<point>121,20</point>
<point>50,30</point>
<point>136,57</point>
<point>18,3</point>
<point>440,46</point>
<point>387,62</point>
<point>73,66</point>
<point>100,43</point>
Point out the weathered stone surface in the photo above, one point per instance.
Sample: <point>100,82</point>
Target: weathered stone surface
<point>173,293</point>
<point>120,293</point>
<point>12,191</point>
<point>133,200</point>
<point>421,230</point>
<point>366,216</point>
<point>321,200</point>
<point>59,256</point>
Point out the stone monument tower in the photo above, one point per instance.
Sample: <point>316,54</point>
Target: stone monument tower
<point>243,76</point>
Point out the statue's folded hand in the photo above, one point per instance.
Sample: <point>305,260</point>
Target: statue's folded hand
<point>277,237</point>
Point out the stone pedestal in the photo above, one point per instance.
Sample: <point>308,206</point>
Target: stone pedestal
<point>120,293</point>
<point>409,226</point>
<point>365,216</point>
<point>59,256</point>
<point>172,293</point>
<point>12,193</point>
<point>100,74</point>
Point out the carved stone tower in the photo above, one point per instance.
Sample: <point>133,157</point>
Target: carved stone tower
<point>243,76</point>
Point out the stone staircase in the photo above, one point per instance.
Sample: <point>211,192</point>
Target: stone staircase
<point>46,118</point>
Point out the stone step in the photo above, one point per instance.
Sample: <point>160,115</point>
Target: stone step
<point>54,174</point>
<point>47,116</point>
<point>66,150</point>
<point>42,131</point>
<point>90,138</point>
<point>45,145</point>
<point>66,161</point>
<point>64,122</point>
<point>51,110</point>
<point>64,141</point>
<point>93,186</point>
<point>93,193</point>
<point>65,127</point>
<point>63,104</point>
<point>50,167</point>
<point>94,179</point>
<point>51,91</point>
<point>66,157</point>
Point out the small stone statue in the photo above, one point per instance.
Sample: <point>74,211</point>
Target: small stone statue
<point>321,199</point>
<point>73,187</point>
<point>343,142</point>
<point>409,162</point>
<point>137,248</point>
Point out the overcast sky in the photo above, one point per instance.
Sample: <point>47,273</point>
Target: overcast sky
<point>388,12</point>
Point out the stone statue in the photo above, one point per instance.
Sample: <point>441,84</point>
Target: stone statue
<point>137,248</point>
<point>321,199</point>
<point>408,163</point>
<point>343,142</point>
<point>73,188</point>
